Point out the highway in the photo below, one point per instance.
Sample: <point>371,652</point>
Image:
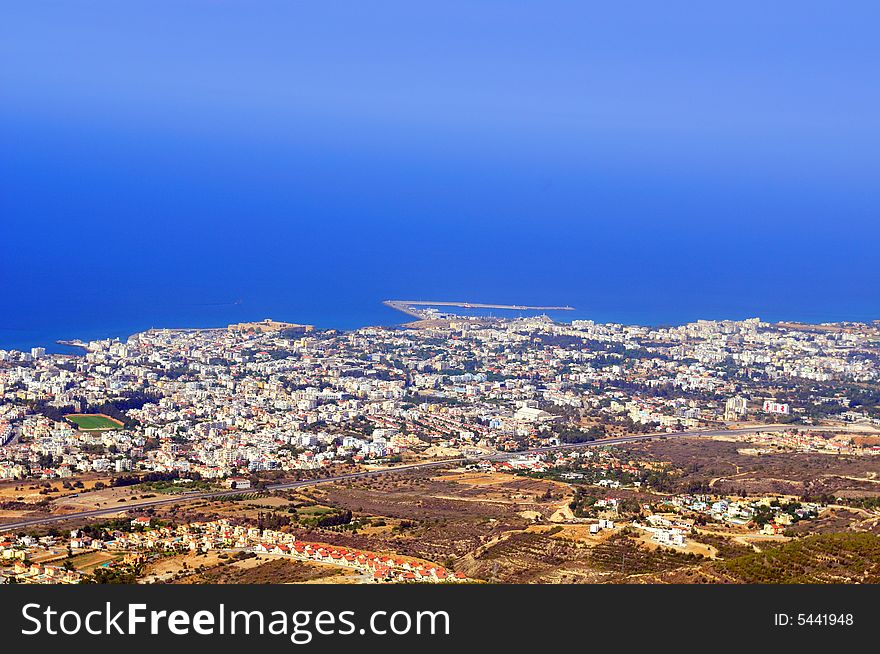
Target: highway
<point>95,513</point>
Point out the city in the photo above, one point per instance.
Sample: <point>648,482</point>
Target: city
<point>200,431</point>
<point>419,326</point>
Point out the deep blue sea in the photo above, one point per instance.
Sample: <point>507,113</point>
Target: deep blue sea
<point>112,233</point>
<point>184,167</point>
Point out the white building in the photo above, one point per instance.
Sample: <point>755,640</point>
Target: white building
<point>776,407</point>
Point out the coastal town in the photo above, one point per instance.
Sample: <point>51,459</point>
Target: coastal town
<point>191,414</point>
<point>374,325</point>
<point>223,402</point>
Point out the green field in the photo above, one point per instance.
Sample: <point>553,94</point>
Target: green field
<point>93,422</point>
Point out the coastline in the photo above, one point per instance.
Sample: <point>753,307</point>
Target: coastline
<point>71,340</point>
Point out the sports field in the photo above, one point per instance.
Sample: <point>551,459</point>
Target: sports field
<point>93,421</point>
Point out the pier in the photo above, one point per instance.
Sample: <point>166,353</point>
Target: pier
<point>406,306</point>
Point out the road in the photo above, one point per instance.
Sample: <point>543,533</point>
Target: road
<point>95,513</point>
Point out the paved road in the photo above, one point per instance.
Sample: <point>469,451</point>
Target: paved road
<point>32,522</point>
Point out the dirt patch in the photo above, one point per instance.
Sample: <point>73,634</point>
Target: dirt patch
<point>705,465</point>
<point>274,571</point>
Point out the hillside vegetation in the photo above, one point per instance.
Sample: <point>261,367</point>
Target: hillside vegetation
<point>820,559</point>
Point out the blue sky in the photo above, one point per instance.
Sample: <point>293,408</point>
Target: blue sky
<point>697,159</point>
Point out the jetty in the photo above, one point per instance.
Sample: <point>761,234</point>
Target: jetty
<point>408,306</point>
